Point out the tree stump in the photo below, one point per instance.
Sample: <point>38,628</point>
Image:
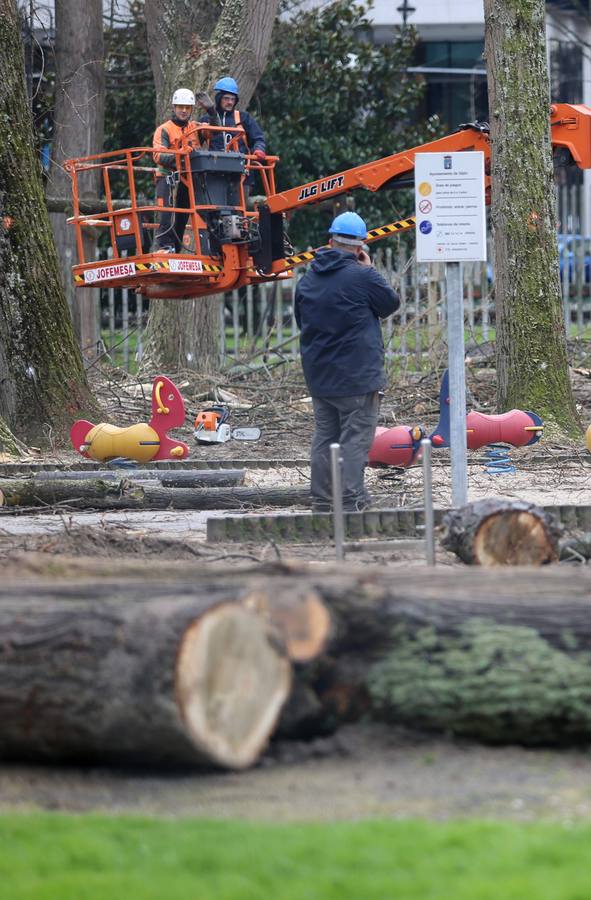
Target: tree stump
<point>501,533</point>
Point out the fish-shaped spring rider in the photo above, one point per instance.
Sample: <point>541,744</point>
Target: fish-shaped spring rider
<point>142,442</point>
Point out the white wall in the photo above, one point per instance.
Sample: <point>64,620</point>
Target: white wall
<point>431,12</point>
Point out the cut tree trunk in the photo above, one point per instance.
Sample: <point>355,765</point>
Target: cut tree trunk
<point>502,656</point>
<point>94,493</point>
<point>167,478</point>
<point>502,533</point>
<point>100,672</point>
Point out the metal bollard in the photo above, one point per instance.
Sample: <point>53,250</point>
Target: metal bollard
<point>428,502</point>
<point>337,500</point>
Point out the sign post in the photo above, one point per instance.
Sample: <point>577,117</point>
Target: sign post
<point>451,228</point>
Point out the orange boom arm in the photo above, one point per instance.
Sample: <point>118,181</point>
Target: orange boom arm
<point>232,245</point>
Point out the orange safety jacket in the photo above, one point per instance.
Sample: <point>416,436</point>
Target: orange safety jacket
<point>170,137</point>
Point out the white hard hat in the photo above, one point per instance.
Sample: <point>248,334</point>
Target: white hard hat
<point>183,97</point>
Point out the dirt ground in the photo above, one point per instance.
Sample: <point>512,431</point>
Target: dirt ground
<point>364,769</point>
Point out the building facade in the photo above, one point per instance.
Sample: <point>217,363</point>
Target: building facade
<point>450,53</point>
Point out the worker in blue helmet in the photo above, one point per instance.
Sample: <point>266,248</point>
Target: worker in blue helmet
<point>338,306</point>
<point>226,103</point>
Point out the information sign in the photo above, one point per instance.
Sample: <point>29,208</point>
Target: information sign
<point>450,207</point>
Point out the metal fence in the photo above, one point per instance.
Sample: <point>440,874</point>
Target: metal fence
<point>257,323</point>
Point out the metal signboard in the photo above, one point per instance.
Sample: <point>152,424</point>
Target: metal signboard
<point>450,206</point>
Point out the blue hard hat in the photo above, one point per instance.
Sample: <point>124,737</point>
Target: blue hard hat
<point>226,85</point>
<point>349,224</point>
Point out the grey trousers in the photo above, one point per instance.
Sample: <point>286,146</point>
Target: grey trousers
<point>350,422</point>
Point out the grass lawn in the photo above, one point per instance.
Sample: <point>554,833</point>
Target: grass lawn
<point>123,858</point>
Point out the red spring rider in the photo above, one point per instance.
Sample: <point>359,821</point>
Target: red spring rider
<point>399,446</point>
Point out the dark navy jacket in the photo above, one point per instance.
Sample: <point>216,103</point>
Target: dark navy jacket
<point>254,133</point>
<point>338,305</point>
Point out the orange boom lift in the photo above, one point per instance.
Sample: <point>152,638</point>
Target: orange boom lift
<point>231,246</point>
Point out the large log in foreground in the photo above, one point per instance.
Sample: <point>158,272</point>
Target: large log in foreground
<point>96,493</point>
<point>97,672</point>
<point>501,656</point>
<point>502,533</point>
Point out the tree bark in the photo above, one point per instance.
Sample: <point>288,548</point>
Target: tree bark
<point>94,493</point>
<point>191,45</point>
<point>43,382</point>
<point>501,533</point>
<point>102,673</point>
<point>500,656</point>
<point>532,367</point>
<point>78,131</point>
<point>8,443</point>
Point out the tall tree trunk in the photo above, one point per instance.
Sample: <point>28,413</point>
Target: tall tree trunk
<point>78,131</point>
<point>191,45</point>
<point>41,371</point>
<point>532,367</point>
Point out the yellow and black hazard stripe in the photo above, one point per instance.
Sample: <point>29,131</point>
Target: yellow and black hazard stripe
<point>300,258</point>
<point>402,225</point>
<point>79,279</point>
<point>374,234</point>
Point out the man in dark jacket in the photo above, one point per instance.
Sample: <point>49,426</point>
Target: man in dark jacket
<point>338,306</point>
<point>226,104</point>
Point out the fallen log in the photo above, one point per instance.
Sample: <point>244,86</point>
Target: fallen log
<point>99,672</point>
<point>501,533</point>
<point>501,656</point>
<point>96,493</point>
<point>165,477</point>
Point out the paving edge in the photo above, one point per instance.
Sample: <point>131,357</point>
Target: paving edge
<point>305,528</point>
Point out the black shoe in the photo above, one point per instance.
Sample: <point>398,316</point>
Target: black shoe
<point>317,506</point>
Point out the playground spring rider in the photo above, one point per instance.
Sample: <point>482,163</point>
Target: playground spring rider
<point>399,446</point>
<point>142,442</point>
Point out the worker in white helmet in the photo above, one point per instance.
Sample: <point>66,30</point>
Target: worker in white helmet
<point>180,132</point>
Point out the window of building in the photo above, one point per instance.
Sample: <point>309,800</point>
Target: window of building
<point>566,71</point>
<point>455,98</point>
